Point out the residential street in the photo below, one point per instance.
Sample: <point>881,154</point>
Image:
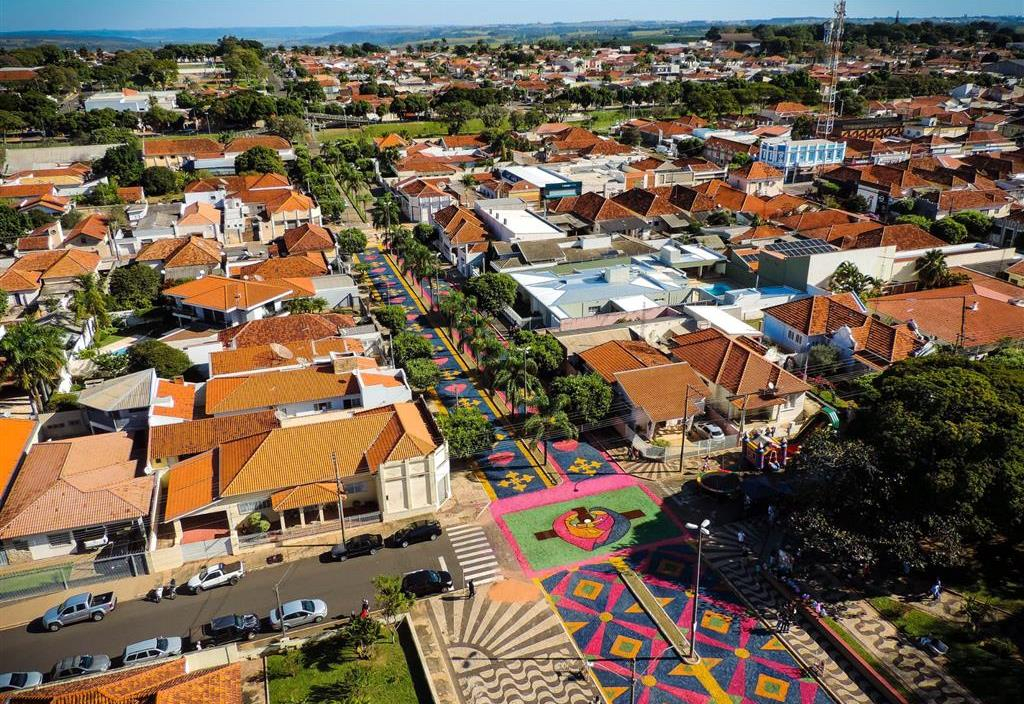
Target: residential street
<point>341,585</point>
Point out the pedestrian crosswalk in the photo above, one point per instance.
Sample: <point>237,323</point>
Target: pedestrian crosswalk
<point>475,555</point>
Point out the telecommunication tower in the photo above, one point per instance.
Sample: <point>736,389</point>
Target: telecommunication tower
<point>834,45</point>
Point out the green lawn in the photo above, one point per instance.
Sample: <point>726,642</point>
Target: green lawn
<point>990,666</point>
<point>32,579</point>
<point>324,675</point>
<point>604,119</point>
<point>549,551</point>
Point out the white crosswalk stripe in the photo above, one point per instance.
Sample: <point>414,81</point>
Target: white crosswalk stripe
<point>474,553</point>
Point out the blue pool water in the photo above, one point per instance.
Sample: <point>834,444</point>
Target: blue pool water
<point>718,288</point>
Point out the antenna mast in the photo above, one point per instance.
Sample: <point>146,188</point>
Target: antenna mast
<point>834,43</point>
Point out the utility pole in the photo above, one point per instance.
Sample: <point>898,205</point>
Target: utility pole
<point>341,495</point>
<point>682,445</point>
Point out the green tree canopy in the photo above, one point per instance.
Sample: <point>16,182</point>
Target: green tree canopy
<point>259,159</point>
<point>587,398</point>
<point>492,291</point>
<point>135,286</point>
<point>391,316</point>
<point>159,181</point>
<point>123,162</point>
<point>977,224</point>
<point>351,241</point>
<point>308,304</point>
<point>409,345</point>
<point>950,230</point>
<point>468,431</point>
<point>422,374</point>
<point>544,349</point>
<point>168,361</point>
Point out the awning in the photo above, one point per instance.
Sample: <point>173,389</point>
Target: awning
<point>304,495</point>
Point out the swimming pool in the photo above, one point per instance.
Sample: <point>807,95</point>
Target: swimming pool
<point>718,288</point>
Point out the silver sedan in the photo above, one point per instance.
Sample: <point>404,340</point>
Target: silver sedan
<point>298,613</point>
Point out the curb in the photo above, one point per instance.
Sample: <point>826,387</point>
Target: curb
<point>407,620</point>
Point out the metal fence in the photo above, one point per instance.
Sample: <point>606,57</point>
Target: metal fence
<point>31,582</point>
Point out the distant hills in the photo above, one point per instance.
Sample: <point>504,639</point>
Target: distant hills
<point>624,30</point>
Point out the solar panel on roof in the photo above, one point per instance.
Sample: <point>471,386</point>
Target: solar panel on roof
<point>799,248</point>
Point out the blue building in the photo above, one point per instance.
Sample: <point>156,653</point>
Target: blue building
<point>800,159</point>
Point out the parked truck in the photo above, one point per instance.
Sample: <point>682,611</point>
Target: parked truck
<point>80,607</point>
<point>216,575</point>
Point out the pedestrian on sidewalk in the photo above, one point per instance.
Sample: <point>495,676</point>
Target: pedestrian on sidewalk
<point>365,611</point>
<point>936,590</point>
<point>472,589</point>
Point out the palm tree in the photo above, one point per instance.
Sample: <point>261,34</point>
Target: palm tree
<point>931,269</point>
<point>454,307</point>
<point>386,214</point>
<point>550,422</point>
<point>516,377</point>
<point>91,300</point>
<point>847,278</point>
<point>33,358</point>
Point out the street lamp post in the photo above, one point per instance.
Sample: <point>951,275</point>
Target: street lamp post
<point>682,444</point>
<point>702,530</point>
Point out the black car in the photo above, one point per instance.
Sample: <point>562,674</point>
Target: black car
<point>226,629</point>
<point>426,582</point>
<point>416,532</point>
<point>367,544</point>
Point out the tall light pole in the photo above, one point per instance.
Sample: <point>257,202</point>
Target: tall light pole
<point>682,444</point>
<point>702,530</point>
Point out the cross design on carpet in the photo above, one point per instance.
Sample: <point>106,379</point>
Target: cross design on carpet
<point>516,480</point>
<point>450,374</point>
<point>469,402</point>
<point>584,466</point>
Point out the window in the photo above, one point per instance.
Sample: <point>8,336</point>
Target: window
<point>321,406</point>
<point>58,539</point>
<point>247,507</point>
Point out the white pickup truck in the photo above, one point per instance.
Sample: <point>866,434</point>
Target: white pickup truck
<point>216,575</point>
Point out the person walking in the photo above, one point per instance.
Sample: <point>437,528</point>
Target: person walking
<point>472,589</point>
<point>365,611</point>
<point>936,590</point>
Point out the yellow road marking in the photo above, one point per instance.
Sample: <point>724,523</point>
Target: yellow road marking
<point>443,336</point>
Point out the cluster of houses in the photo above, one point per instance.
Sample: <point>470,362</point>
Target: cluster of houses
<point>693,266</point>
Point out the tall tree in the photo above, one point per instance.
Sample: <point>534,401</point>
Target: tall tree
<point>516,377</point>
<point>91,300</point>
<point>386,215</point>
<point>549,423</point>
<point>34,356</point>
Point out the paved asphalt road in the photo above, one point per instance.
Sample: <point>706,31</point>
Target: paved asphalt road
<point>342,585</point>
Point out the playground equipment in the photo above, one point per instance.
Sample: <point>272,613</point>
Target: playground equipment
<point>768,453</point>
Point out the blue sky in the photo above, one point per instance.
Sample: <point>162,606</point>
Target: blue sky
<point>16,15</point>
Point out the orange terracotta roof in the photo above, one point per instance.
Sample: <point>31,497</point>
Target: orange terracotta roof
<point>190,485</point>
<point>57,264</point>
<point>199,213</point>
<point>270,141</point>
<point>93,225</point>
<point>75,483</point>
<point>181,147</point>
<point>610,358</point>
<point>182,398</point>
<point>297,266</point>
<point>224,294</point>
<point>662,391</point>
<point>304,454</point>
<point>736,367</point>
<point>15,434</point>
<point>758,171</point>
<point>288,328</point>
<point>181,252</point>
<point>984,316</point>
<point>14,281</point>
<point>646,203</point>
<point>303,352</point>
<point>819,315</point>
<point>313,494</point>
<point>821,218</point>
<point>309,237</point>
<point>289,202</point>
<point>192,437</point>
<point>277,388</point>
<point>27,190</point>
<point>131,194</point>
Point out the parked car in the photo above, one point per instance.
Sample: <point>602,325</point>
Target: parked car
<point>416,532</point>
<point>152,649</point>
<point>933,645</point>
<point>426,582</point>
<point>14,681</point>
<point>215,576</point>
<point>80,607</point>
<point>709,430</point>
<point>367,544</point>
<point>80,665</point>
<point>298,613</point>
<point>226,629</point>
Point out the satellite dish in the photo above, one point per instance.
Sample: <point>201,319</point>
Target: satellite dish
<point>280,350</point>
